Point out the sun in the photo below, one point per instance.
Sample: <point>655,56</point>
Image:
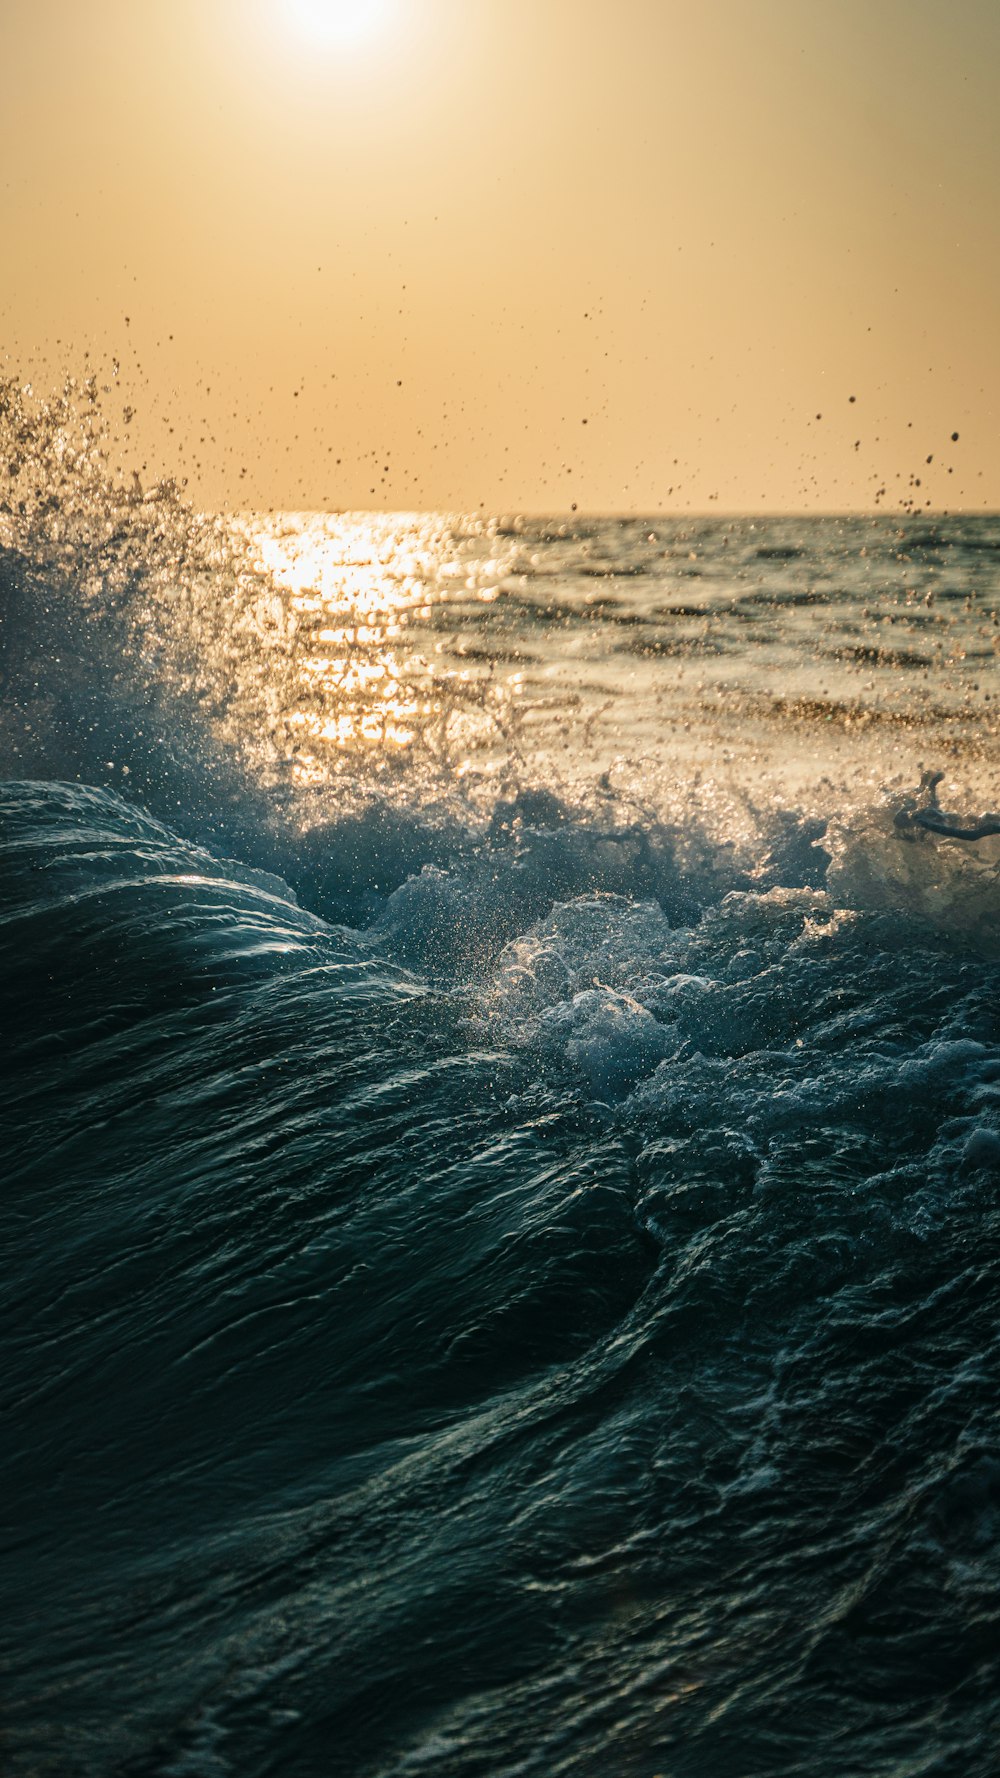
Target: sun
<point>334,22</point>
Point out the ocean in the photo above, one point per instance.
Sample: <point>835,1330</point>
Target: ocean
<point>502,1138</point>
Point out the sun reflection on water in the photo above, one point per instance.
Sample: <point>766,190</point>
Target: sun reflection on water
<point>373,662</point>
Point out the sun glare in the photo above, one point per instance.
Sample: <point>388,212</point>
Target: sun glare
<point>334,22</point>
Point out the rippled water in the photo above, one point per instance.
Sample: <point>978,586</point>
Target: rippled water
<point>502,1087</point>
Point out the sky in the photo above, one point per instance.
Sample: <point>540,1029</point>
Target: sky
<point>517,255</point>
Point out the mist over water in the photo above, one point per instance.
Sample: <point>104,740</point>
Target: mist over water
<point>503,1082</point>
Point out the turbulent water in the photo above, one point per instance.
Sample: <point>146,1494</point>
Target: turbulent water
<point>502,1108</point>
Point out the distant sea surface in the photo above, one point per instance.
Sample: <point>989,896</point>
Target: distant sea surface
<point>502,1155</point>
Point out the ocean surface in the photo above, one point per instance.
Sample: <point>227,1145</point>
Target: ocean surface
<point>501,1096</point>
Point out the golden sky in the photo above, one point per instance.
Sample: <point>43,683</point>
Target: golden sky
<point>516,253</point>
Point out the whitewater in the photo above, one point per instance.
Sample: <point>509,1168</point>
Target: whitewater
<point>501,1098</point>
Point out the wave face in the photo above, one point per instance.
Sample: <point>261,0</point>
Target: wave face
<point>502,1144</point>
<point>588,1367</point>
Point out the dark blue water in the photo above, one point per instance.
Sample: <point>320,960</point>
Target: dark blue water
<point>525,1301</point>
<point>526,1377</point>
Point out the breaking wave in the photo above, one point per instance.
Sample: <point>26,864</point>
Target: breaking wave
<point>502,1196</point>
